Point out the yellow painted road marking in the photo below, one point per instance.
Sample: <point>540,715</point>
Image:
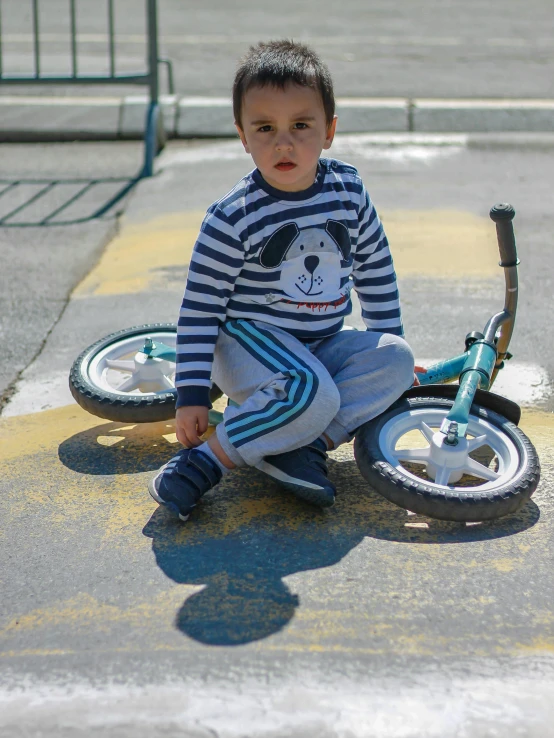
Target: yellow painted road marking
<point>138,258</point>
<point>442,243</point>
<point>436,243</point>
<point>25,439</point>
<point>85,611</point>
<point>31,449</point>
<point>312,630</point>
<point>115,508</point>
<point>539,426</point>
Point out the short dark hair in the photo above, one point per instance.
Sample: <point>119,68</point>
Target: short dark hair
<point>278,63</point>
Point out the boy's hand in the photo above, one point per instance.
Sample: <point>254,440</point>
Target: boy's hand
<point>419,370</point>
<point>190,423</point>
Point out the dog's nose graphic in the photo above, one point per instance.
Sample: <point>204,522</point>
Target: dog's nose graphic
<point>311,262</point>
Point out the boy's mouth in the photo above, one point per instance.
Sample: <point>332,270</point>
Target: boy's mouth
<point>285,166</point>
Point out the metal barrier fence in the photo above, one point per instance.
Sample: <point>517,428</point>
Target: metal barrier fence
<point>154,136</point>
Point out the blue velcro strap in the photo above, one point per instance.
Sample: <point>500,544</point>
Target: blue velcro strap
<point>199,468</point>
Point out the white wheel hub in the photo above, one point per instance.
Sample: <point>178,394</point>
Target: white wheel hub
<point>445,464</point>
<point>123,368</point>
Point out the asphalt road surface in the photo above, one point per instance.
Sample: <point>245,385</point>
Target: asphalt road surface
<point>261,616</point>
<point>41,265</point>
<point>463,48</point>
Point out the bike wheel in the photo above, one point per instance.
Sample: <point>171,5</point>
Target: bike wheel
<point>109,379</point>
<point>490,473</point>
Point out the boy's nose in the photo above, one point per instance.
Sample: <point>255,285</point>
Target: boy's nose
<point>283,144</point>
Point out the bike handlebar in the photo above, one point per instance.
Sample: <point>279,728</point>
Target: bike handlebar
<point>501,325</point>
<point>503,214</point>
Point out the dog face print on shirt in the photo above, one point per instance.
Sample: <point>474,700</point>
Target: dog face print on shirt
<point>309,258</point>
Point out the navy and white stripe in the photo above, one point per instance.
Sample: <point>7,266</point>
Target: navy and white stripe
<point>226,280</point>
<point>300,388</point>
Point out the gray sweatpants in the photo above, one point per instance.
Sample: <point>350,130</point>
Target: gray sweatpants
<point>289,393</point>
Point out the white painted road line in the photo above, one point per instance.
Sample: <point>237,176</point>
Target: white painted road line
<point>393,147</point>
<point>447,709</point>
<point>523,383</point>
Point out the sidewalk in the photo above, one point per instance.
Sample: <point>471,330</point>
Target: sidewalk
<point>60,118</point>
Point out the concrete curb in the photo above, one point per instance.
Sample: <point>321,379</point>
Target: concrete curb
<point>40,118</point>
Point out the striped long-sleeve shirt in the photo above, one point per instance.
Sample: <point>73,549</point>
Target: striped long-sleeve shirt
<point>288,259</point>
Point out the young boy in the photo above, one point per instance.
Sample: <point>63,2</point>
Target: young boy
<point>267,294</point>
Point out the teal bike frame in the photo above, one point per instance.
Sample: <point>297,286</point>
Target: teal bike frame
<point>478,366</point>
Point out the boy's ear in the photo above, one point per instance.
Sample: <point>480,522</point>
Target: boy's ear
<point>330,133</point>
<point>242,137</point>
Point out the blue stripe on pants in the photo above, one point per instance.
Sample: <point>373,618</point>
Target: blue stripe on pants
<point>301,387</point>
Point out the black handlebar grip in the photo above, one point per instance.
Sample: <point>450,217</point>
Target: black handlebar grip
<point>503,214</point>
<point>502,211</point>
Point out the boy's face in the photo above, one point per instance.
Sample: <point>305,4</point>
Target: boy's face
<point>285,131</point>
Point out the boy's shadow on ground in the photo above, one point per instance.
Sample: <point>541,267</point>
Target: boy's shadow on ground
<point>119,448</point>
<point>248,534</point>
<point>244,538</point>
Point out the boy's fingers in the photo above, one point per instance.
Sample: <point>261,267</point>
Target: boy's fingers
<point>202,424</point>
<point>418,370</point>
<point>192,436</point>
<point>181,436</point>
<point>182,431</point>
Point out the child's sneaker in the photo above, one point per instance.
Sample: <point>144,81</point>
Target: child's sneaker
<point>303,472</point>
<point>181,482</point>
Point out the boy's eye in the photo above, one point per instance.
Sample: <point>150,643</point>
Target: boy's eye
<point>300,125</point>
<point>264,129</point>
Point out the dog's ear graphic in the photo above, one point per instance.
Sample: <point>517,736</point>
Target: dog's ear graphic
<point>340,235</point>
<point>277,245</point>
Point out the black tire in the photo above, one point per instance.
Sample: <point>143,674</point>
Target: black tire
<point>121,407</point>
<point>423,496</point>
<point>124,408</point>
